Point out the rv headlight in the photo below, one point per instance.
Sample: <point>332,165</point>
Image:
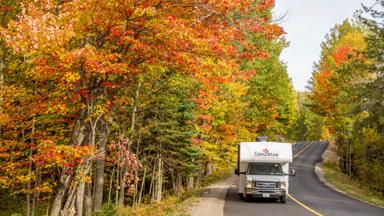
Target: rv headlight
<point>248,184</point>
<point>283,184</point>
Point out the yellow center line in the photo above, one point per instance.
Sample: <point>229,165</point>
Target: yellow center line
<point>298,153</point>
<point>294,199</point>
<point>304,206</point>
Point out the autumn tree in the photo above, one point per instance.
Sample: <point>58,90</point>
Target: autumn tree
<point>117,101</point>
<point>344,90</point>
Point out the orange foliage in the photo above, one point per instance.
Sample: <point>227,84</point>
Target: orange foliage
<point>341,54</point>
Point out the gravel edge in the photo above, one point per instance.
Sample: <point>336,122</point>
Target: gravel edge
<point>213,199</point>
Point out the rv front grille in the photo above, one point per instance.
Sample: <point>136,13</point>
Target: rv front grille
<point>265,184</point>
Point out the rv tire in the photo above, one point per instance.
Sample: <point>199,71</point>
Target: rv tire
<point>241,196</point>
<point>247,197</point>
<point>283,199</point>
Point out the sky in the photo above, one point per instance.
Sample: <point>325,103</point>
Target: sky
<point>306,24</point>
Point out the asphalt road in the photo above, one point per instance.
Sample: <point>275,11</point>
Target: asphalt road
<point>305,188</point>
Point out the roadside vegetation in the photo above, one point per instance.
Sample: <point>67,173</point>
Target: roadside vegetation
<point>352,187</point>
<point>172,205</point>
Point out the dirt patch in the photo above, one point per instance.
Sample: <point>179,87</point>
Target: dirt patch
<point>330,154</point>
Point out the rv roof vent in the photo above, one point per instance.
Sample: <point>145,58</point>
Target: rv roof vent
<point>261,139</point>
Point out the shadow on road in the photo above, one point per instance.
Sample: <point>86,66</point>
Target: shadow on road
<point>233,196</point>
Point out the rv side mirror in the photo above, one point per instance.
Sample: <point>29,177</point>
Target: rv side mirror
<point>237,171</point>
<point>293,172</point>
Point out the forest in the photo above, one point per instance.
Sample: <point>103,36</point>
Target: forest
<point>124,102</point>
<point>121,103</point>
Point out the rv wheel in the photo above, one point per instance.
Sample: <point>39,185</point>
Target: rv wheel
<point>283,199</point>
<point>241,196</point>
<point>247,197</point>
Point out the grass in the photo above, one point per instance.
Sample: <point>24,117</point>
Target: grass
<point>351,186</point>
<point>171,206</point>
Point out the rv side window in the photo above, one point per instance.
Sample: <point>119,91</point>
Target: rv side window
<point>265,169</point>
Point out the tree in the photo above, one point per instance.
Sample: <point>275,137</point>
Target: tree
<point>344,90</point>
<point>86,74</point>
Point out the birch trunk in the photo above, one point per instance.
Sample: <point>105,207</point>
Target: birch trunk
<point>122,188</point>
<point>142,185</point>
<point>159,183</point>
<point>151,185</point>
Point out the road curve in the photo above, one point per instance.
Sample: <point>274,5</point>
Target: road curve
<point>305,188</point>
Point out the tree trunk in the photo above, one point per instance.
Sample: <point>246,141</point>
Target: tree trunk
<point>65,178</point>
<point>133,120</point>
<point>349,156</point>
<point>200,173</point>
<point>78,132</point>
<point>69,207</point>
<point>179,185</point>
<point>111,184</point>
<point>60,192</point>
<point>190,182</point>
<point>118,179</point>
<point>75,200</point>
<point>133,123</point>
<point>159,183</point>
<point>122,187</point>
<point>173,180</point>
<point>208,168</point>
<point>88,199</point>
<point>36,194</point>
<point>80,198</point>
<point>28,194</point>
<point>47,210</point>
<point>136,183</point>
<point>151,185</point>
<point>142,185</point>
<point>99,184</point>
<point>135,186</point>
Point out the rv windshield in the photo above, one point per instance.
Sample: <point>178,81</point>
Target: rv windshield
<point>265,169</point>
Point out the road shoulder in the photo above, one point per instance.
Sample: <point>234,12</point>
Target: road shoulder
<point>213,199</point>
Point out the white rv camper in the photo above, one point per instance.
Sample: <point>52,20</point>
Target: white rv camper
<point>263,169</point>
